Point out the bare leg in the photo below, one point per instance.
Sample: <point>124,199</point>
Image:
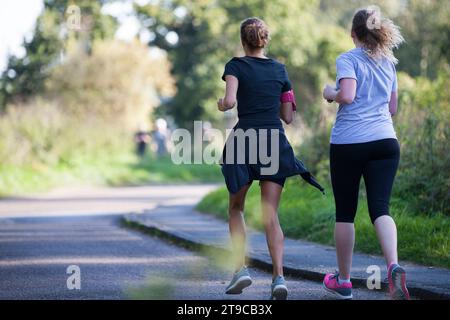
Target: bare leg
<point>270,198</point>
<point>387,235</point>
<point>344,236</point>
<point>236,226</point>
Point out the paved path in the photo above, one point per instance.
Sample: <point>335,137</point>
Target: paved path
<point>41,235</point>
<point>305,259</point>
<point>115,263</point>
<point>100,201</point>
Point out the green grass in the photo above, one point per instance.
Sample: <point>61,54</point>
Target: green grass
<point>306,214</point>
<point>102,169</point>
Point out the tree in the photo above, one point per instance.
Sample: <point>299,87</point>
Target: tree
<point>196,56</point>
<point>91,106</point>
<point>208,36</point>
<point>25,76</point>
<point>426,28</point>
<point>118,82</point>
<point>424,24</point>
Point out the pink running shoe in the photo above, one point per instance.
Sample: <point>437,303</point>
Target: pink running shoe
<point>397,282</point>
<point>342,290</point>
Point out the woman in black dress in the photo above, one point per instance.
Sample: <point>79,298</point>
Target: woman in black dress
<point>257,84</point>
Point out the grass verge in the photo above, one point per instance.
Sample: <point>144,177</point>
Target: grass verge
<point>105,169</point>
<point>305,213</point>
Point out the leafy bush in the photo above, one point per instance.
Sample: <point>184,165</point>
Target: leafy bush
<point>117,81</point>
<point>87,115</point>
<point>423,129</point>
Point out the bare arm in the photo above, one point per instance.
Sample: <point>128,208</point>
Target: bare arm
<point>345,95</point>
<point>393,103</point>
<point>229,101</point>
<point>286,112</point>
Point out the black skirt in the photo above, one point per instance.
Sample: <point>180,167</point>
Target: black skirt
<point>252,152</point>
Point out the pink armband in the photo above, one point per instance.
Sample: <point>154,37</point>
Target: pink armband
<point>289,96</point>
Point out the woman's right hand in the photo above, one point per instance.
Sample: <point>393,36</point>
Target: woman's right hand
<point>329,93</point>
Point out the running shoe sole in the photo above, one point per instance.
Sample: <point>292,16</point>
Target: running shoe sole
<point>280,292</point>
<point>399,292</point>
<point>239,285</point>
<point>337,294</point>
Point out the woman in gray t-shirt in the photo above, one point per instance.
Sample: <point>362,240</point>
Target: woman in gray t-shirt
<point>364,143</point>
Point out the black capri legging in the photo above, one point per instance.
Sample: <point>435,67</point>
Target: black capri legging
<point>377,162</point>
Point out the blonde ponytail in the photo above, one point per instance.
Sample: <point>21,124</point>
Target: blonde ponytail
<point>379,35</point>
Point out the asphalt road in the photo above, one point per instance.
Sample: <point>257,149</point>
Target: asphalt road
<point>42,235</point>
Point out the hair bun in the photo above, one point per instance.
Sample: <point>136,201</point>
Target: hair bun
<point>254,33</point>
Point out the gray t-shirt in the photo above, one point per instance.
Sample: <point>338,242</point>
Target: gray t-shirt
<point>367,118</point>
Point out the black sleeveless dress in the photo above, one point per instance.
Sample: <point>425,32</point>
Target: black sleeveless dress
<point>257,148</point>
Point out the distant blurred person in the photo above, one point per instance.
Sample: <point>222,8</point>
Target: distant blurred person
<point>142,139</point>
<point>364,144</point>
<point>160,137</point>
